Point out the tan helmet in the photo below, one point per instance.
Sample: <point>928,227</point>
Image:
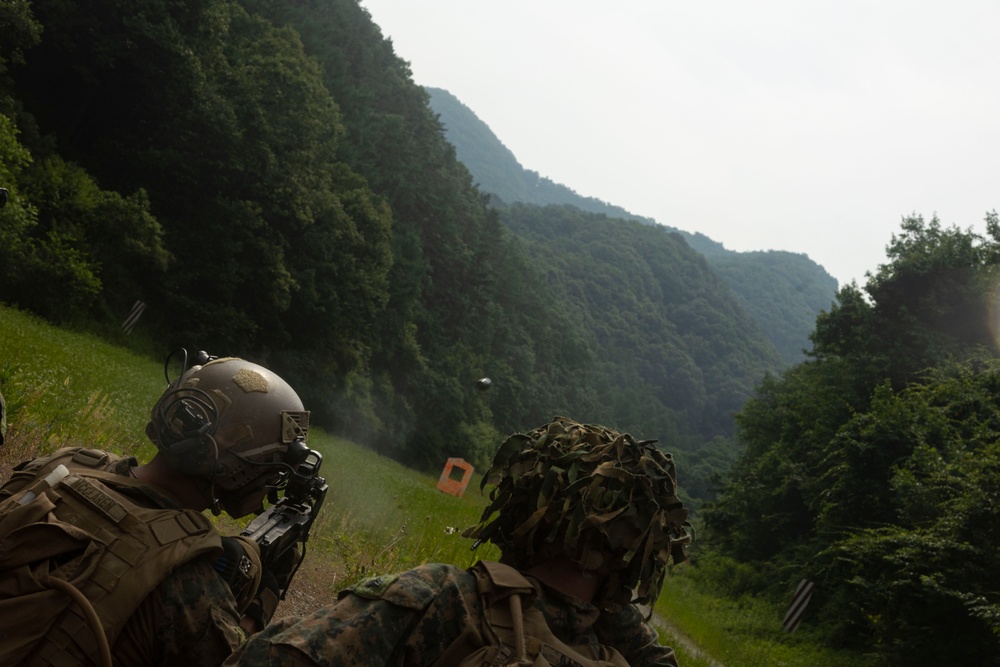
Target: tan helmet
<point>604,500</point>
<point>233,424</point>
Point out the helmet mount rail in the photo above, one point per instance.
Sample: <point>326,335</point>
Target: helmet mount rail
<point>200,359</point>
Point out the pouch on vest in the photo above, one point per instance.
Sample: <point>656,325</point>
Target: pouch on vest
<point>515,632</point>
<point>78,558</point>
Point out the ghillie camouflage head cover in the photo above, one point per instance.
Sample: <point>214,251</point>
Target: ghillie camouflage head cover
<point>599,497</point>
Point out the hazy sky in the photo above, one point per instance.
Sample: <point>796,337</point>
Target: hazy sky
<point>807,126</point>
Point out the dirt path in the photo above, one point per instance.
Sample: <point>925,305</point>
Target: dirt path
<point>682,640</point>
<point>314,585</point>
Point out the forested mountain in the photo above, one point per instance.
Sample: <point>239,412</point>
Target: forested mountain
<point>783,292</point>
<point>874,469</point>
<point>496,170</point>
<point>268,179</point>
<point>675,352</point>
<point>872,466</point>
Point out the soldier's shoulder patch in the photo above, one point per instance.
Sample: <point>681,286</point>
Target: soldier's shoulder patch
<point>374,587</point>
<point>412,589</point>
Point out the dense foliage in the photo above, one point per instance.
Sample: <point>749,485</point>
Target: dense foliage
<point>266,176</point>
<point>268,179</point>
<point>874,468</point>
<point>782,292</point>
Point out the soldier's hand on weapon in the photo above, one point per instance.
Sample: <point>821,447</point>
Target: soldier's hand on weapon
<point>285,565</point>
<point>261,609</point>
<point>274,584</point>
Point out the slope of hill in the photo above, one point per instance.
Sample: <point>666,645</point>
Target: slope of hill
<point>270,181</point>
<point>783,292</point>
<point>496,169</point>
<point>666,327</point>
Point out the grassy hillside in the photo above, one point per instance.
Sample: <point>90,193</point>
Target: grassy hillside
<point>66,388</point>
<point>69,389</point>
<point>63,387</point>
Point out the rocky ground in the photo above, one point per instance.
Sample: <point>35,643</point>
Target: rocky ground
<point>315,584</point>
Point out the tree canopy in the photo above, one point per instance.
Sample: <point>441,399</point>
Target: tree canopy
<point>268,179</point>
<point>872,467</point>
<point>782,292</point>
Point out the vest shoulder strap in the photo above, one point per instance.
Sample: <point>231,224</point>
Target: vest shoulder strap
<point>516,630</point>
<point>26,472</point>
<point>110,547</point>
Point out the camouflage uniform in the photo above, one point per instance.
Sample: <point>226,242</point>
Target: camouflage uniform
<point>190,618</point>
<point>411,619</point>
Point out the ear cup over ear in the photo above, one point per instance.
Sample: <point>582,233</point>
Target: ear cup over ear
<point>182,425</point>
<point>197,456</point>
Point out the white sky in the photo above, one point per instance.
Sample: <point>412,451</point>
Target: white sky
<point>808,126</point>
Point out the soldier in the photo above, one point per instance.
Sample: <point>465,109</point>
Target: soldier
<point>143,576</point>
<point>585,518</point>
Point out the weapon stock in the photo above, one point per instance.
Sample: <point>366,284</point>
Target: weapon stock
<point>288,521</point>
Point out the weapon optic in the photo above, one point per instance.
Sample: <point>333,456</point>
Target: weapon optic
<point>288,520</point>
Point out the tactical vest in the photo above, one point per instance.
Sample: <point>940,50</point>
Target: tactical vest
<point>80,557</point>
<point>515,631</point>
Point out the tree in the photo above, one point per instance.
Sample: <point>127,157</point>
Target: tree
<point>916,577</point>
<point>873,465</point>
<point>930,303</point>
<point>70,248</point>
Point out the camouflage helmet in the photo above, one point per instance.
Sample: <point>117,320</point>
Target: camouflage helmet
<point>233,424</point>
<point>604,500</point>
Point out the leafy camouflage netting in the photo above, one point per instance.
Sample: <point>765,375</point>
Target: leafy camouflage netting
<point>600,497</point>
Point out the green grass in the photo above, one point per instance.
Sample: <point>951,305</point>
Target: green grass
<point>380,516</point>
<point>65,388</point>
<point>747,632</point>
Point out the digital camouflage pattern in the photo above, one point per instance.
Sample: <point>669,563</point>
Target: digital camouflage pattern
<point>190,616</point>
<point>414,618</point>
<point>190,619</point>
<point>602,498</point>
